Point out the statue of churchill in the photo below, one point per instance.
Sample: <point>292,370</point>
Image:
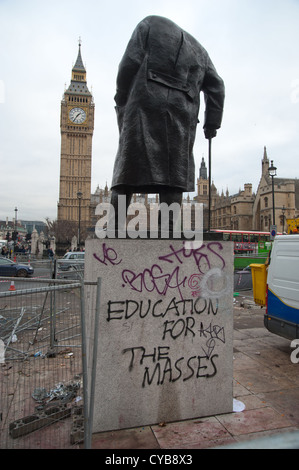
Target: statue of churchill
<point>159,81</point>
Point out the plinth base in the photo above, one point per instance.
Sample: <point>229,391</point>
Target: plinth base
<point>164,348</point>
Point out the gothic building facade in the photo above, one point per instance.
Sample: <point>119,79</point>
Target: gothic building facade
<point>247,210</point>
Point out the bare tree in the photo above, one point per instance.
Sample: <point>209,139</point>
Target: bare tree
<point>62,230</point>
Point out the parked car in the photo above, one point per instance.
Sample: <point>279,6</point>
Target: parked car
<point>9,268</point>
<point>72,260</point>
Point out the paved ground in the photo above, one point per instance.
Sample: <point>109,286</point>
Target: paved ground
<point>266,385</point>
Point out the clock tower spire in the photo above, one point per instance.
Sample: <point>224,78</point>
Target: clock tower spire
<point>76,125</point>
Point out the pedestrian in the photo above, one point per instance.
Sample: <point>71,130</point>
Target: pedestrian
<point>4,251</point>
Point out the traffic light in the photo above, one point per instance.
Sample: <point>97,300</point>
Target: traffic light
<point>14,235</point>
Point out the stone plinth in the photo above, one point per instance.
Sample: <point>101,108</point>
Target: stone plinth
<point>165,330</point>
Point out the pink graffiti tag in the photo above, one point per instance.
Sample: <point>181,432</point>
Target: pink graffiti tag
<point>199,255</point>
<point>109,254</point>
<point>154,279</point>
<point>194,284</point>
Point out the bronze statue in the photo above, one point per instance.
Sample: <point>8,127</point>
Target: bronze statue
<point>159,81</point>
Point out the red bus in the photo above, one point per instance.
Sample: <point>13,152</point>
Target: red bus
<point>246,241</point>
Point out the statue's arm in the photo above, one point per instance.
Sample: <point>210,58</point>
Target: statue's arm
<point>214,93</point>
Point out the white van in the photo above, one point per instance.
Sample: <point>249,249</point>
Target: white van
<point>282,300</point>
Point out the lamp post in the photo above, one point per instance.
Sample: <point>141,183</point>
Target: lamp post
<point>283,211</point>
<point>79,196</point>
<point>272,173</point>
<point>15,229</point>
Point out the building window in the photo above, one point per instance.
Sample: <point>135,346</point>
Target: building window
<point>266,202</point>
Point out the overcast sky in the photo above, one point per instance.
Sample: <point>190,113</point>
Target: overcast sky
<point>252,43</point>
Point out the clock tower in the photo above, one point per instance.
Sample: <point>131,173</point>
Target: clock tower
<point>76,124</point>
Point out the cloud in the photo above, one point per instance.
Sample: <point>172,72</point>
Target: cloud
<point>253,45</point>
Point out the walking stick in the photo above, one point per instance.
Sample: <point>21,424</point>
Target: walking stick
<point>210,158</point>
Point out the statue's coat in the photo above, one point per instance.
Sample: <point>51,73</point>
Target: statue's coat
<point>159,81</point>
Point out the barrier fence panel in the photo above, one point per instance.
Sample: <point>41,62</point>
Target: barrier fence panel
<point>41,366</point>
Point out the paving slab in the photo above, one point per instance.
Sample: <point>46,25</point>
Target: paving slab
<point>252,421</point>
<point>285,401</point>
<point>250,345</point>
<point>195,434</point>
<point>292,372</point>
<point>239,389</point>
<point>286,438</point>
<point>256,332</point>
<point>137,438</point>
<point>252,402</point>
<point>243,361</point>
<point>271,357</point>
<point>263,379</point>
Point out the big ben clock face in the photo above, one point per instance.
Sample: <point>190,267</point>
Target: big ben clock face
<point>77,115</point>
